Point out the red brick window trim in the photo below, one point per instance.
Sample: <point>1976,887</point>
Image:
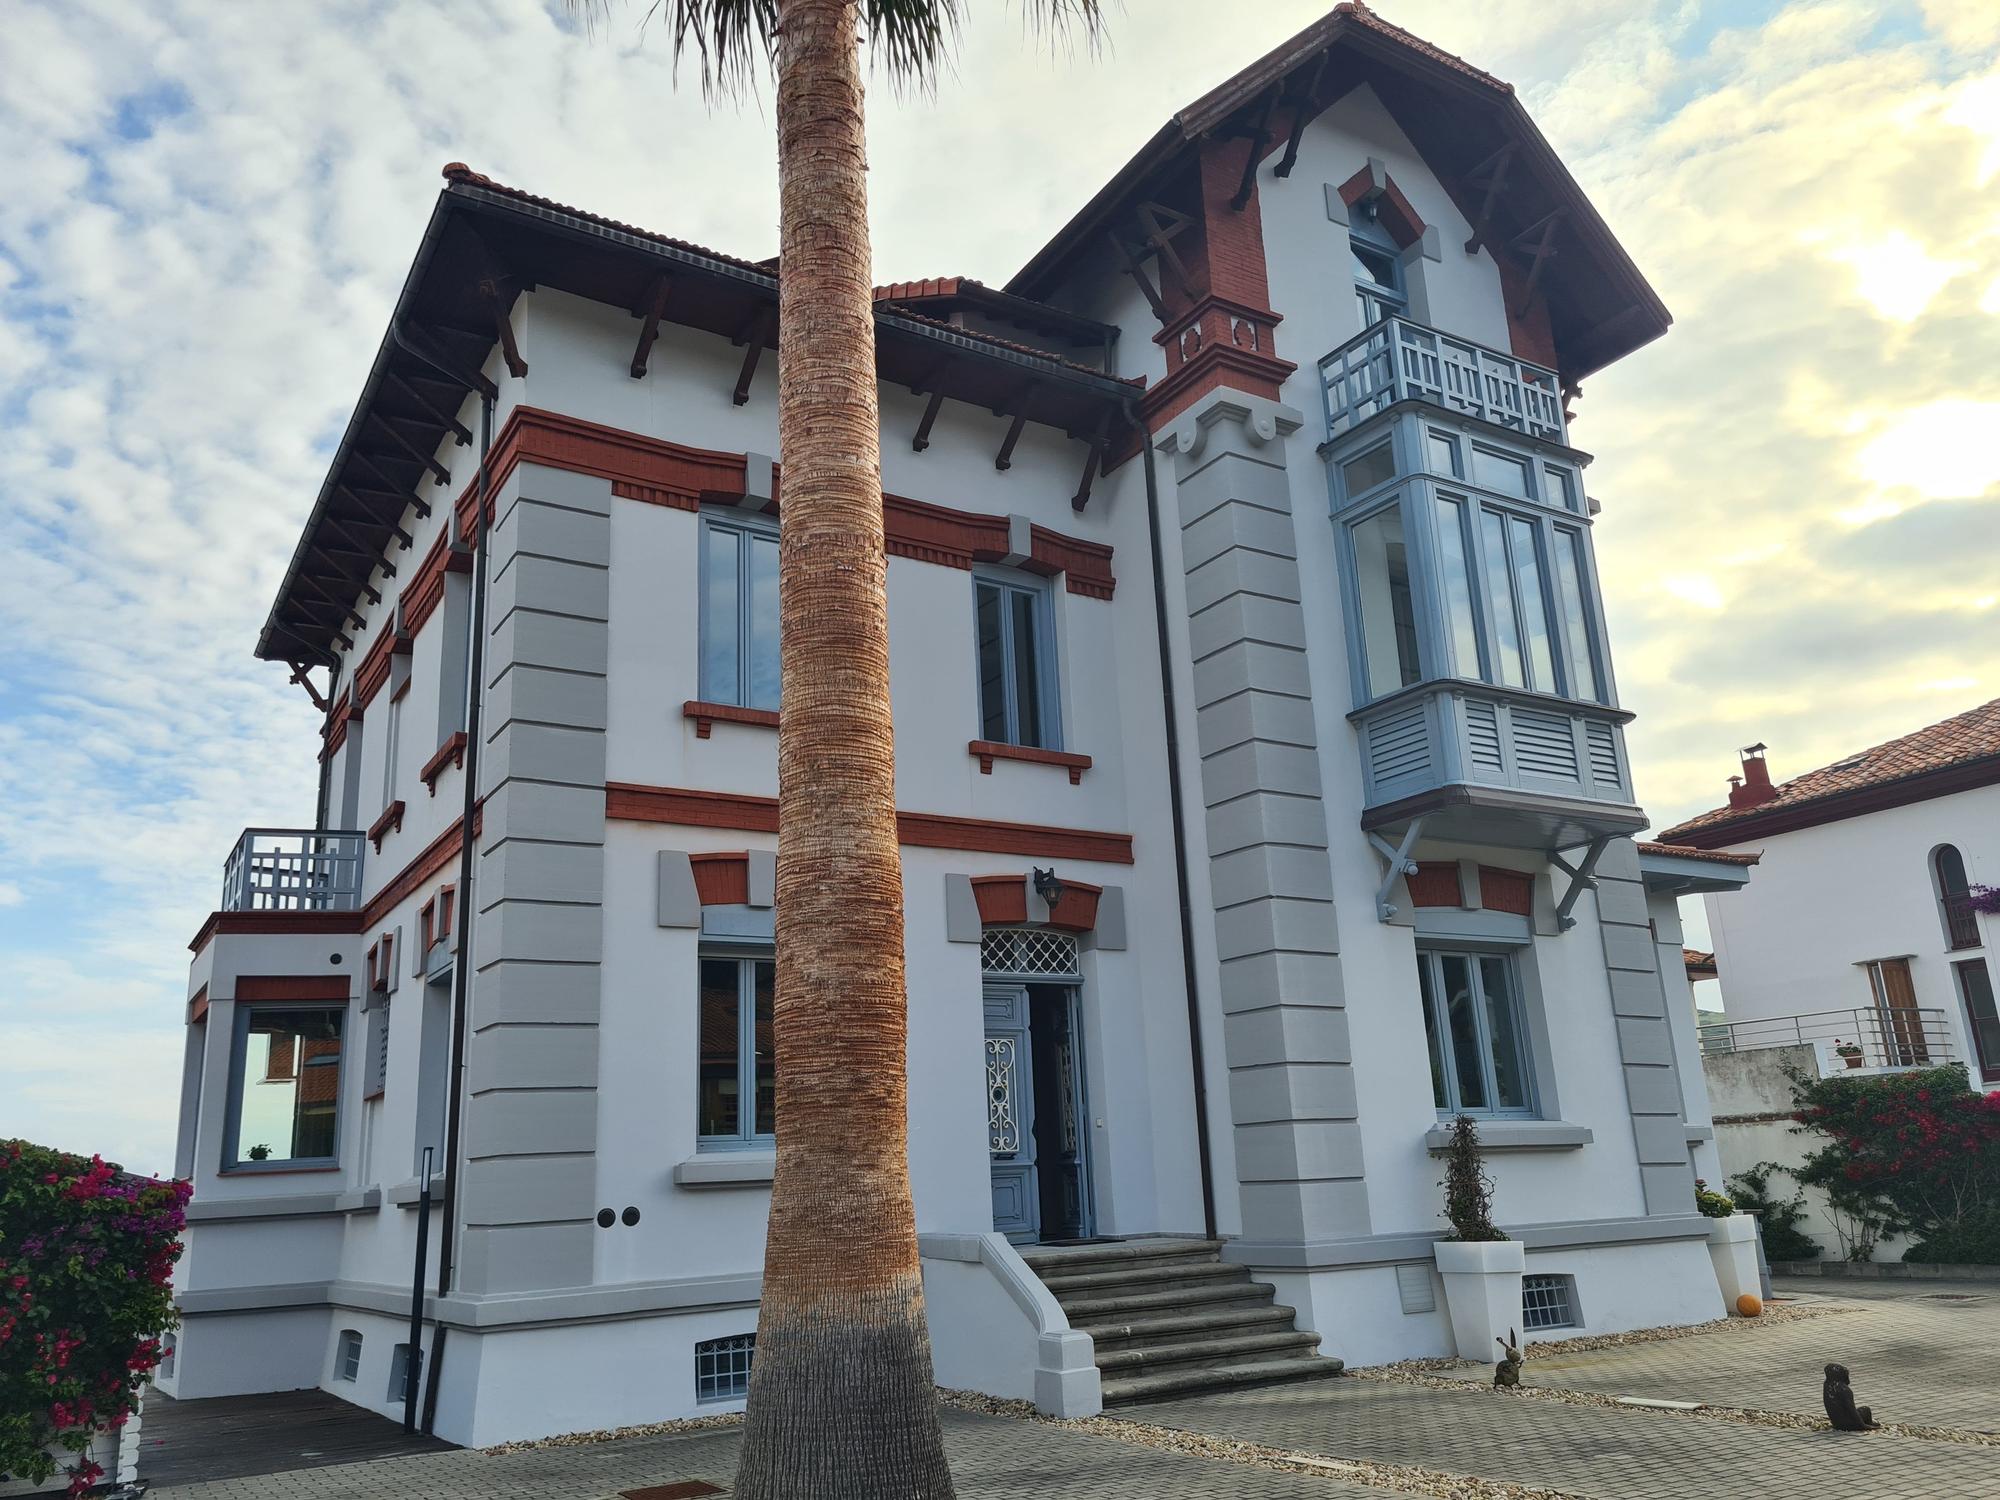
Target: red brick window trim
<point>989,751</point>
<point>707,715</point>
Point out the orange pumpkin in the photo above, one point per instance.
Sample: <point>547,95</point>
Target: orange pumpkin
<point>1750,1305</point>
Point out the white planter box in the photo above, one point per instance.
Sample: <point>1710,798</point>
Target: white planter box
<point>1482,1291</point>
<point>1732,1248</point>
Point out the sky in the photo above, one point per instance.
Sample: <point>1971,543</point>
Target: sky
<point>208,208</point>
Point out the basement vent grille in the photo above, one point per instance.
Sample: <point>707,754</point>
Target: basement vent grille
<point>1548,1302</point>
<point>1415,1289</point>
<point>722,1367</point>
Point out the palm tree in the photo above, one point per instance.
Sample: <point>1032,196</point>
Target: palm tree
<point>841,1395</point>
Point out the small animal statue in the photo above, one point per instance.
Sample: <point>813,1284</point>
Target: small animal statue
<point>1838,1395</point>
<point>1508,1371</point>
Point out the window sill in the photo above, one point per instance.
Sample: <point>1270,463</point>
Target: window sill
<point>1515,1135</point>
<point>707,715</point>
<point>726,1169</point>
<point>392,818</point>
<point>451,752</point>
<point>989,751</point>
<point>275,1169</point>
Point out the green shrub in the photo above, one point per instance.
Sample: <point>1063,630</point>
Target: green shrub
<point>86,1252</point>
<point>1777,1218</point>
<point>1973,1241</point>
<point>1914,1153</point>
<point>1711,1205</point>
<point>1468,1191</point>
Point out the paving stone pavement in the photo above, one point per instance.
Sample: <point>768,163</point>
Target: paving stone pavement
<point>1608,1454</point>
<point>992,1458</point>
<point>1919,1355</point>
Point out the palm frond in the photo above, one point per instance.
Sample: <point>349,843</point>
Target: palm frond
<point>910,40</point>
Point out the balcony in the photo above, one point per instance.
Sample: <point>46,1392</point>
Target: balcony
<point>1398,360</point>
<point>1495,765</point>
<point>293,869</point>
<point>1896,1037</point>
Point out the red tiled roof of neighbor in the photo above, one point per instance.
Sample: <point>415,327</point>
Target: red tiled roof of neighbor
<point>930,286</point>
<point>1902,770</point>
<point>459,172</point>
<point>1688,851</point>
<point>1699,965</point>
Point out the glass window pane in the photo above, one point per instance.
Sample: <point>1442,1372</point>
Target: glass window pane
<point>720,1083</point>
<point>1463,1026</point>
<point>289,1085</point>
<point>1500,590</point>
<point>1510,1073</point>
<point>1373,266</point>
<point>719,644</point>
<point>1583,678</point>
<point>1501,471</point>
<point>765,980</point>
<point>1455,581</point>
<point>762,663</point>
<point>989,624</point>
<point>1376,466</point>
<point>1388,615</point>
<point>1431,1033</point>
<point>1443,453</point>
<point>1560,487</point>
<point>1534,603</point>
<point>1027,669</point>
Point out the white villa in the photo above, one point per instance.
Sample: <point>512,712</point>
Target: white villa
<point>1265,798</point>
<point>1862,926</point>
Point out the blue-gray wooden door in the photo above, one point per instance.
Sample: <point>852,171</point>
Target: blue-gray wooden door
<point>1010,1113</point>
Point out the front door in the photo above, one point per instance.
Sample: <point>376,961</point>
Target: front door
<point>1010,1113</point>
<point>1063,1184</point>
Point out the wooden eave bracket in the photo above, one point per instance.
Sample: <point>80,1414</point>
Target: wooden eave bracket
<point>654,308</point>
<point>922,440</point>
<point>458,429</point>
<point>1092,462</point>
<point>1395,861</point>
<point>1494,172</point>
<point>1542,249</point>
<point>1004,459</point>
<point>753,337</point>
<point>1581,878</point>
<point>1301,103</point>
<point>1260,140</point>
<point>299,670</point>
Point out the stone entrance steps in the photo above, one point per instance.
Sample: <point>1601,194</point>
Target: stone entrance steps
<point>1169,1317</point>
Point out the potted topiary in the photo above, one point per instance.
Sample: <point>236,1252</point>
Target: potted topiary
<point>1732,1245</point>
<point>1481,1267</point>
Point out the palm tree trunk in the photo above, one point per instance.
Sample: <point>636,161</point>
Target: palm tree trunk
<point>841,1399</point>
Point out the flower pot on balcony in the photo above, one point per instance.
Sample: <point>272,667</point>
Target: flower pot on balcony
<point>1852,1059</point>
<point>1732,1249</point>
<point>1482,1292</point>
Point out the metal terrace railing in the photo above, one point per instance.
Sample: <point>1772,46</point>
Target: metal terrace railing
<point>1888,1038</point>
<point>293,869</point>
<point>1400,360</point>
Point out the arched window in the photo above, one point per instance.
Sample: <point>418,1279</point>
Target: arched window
<point>1954,895</point>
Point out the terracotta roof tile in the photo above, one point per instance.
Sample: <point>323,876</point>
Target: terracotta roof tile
<point>1970,736</point>
<point>1361,13</point>
<point>1688,851</point>
<point>1699,965</point>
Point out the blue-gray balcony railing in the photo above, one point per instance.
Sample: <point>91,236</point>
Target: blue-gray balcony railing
<point>293,869</point>
<point>1457,733</point>
<point>1400,360</point>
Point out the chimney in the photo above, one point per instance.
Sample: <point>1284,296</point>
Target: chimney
<point>1753,788</point>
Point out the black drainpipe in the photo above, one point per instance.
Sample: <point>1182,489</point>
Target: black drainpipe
<point>461,968</point>
<point>1174,801</point>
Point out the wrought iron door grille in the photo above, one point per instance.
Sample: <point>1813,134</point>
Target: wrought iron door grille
<point>722,1367</point>
<point>1028,953</point>
<point>1547,1302</point>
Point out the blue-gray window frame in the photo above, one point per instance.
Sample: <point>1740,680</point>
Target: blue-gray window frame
<point>745,955</point>
<point>1418,489</point>
<point>232,1117</point>
<point>1365,232</point>
<point>1040,598</point>
<point>748,524</point>
<point>1432,956</point>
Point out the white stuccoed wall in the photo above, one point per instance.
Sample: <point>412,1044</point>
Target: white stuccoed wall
<point>1828,898</point>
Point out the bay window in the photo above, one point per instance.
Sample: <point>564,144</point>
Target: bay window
<point>284,1100</point>
<point>1483,581</point>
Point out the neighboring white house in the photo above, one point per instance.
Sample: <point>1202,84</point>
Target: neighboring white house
<point>1264,791</point>
<point>1861,927</point>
